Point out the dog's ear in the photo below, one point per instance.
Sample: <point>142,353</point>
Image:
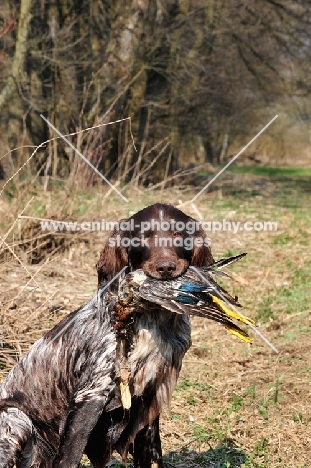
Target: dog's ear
<point>202,254</point>
<point>113,257</point>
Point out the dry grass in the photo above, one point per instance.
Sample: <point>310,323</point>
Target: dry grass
<point>235,405</point>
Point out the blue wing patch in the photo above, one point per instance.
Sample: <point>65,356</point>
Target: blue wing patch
<point>192,288</point>
<point>186,299</point>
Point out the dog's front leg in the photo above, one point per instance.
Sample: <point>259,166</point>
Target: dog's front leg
<point>147,447</point>
<point>81,419</point>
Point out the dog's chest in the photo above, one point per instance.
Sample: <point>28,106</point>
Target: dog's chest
<point>159,343</point>
<point>149,352</point>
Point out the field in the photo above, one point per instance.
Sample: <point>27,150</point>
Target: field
<point>235,405</point>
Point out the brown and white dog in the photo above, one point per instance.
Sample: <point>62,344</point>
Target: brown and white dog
<point>63,398</point>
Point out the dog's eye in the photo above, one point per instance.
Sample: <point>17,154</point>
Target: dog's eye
<point>177,234</point>
<point>145,235</point>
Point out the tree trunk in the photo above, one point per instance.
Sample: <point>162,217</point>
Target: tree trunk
<point>20,53</point>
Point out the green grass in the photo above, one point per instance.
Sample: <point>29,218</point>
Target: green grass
<point>292,297</point>
<point>187,385</point>
<point>280,186</point>
<point>225,455</point>
<point>272,171</point>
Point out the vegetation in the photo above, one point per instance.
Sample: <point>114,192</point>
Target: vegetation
<point>197,79</point>
<point>234,405</point>
<point>190,82</point>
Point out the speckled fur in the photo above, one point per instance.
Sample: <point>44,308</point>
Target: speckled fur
<point>62,397</point>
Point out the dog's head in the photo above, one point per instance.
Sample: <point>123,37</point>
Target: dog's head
<point>160,239</point>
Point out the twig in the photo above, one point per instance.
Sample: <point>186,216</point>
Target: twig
<point>57,138</point>
<point>19,260</point>
<point>11,228</point>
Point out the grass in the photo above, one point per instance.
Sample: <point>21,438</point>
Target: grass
<point>234,405</point>
<point>288,172</point>
<point>293,295</point>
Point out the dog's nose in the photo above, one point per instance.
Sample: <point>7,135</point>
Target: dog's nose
<point>166,268</point>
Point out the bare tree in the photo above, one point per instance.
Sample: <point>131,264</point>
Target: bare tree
<point>194,75</point>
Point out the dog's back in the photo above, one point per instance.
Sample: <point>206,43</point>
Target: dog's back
<point>71,363</point>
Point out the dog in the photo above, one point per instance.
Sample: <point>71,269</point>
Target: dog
<point>64,398</point>
<point>160,239</point>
